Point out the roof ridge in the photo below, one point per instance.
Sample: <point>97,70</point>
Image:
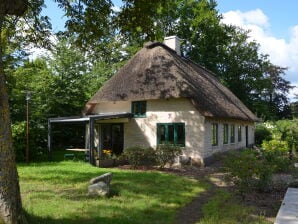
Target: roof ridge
<point>150,45</point>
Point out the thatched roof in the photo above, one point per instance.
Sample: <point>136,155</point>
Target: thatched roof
<point>157,72</point>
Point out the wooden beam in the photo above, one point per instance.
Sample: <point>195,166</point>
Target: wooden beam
<point>91,143</point>
<point>49,141</point>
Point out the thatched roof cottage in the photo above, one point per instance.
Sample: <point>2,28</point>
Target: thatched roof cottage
<point>160,97</point>
<point>172,100</point>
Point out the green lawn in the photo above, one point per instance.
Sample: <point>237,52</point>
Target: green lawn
<point>224,208</point>
<point>56,192</point>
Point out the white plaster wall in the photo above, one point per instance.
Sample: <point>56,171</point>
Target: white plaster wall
<point>112,107</point>
<point>251,134</point>
<point>142,131</point>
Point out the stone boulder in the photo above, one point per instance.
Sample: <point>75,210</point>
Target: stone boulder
<point>99,189</point>
<point>106,178</point>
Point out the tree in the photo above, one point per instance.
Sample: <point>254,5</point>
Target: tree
<point>81,16</point>
<point>140,20</point>
<point>294,108</point>
<point>252,77</point>
<point>10,199</point>
<point>88,21</point>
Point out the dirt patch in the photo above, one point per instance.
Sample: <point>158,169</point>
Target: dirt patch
<point>192,212</point>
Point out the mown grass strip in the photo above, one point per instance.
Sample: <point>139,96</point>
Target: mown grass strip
<point>57,193</point>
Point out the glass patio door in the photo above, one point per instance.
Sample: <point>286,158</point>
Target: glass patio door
<point>112,138</point>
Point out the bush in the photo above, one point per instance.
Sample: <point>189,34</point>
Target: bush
<point>287,130</point>
<point>138,155</point>
<point>241,169</point>
<point>262,134</point>
<point>19,140</point>
<point>276,154</point>
<point>37,141</point>
<point>248,170</point>
<point>166,154</point>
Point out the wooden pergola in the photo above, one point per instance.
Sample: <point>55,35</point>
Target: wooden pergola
<point>89,120</point>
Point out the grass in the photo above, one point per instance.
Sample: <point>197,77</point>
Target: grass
<point>56,192</point>
<point>224,208</point>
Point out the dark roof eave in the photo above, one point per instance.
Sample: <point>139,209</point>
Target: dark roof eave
<point>86,119</point>
<point>232,118</point>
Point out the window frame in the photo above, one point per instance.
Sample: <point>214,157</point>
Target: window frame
<point>225,134</point>
<point>214,134</point>
<point>232,134</point>
<point>136,108</point>
<point>239,133</point>
<point>175,133</point>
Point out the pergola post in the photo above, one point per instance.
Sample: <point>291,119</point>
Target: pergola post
<point>91,143</point>
<point>49,140</point>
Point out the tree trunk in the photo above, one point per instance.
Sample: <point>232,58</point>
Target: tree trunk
<point>10,199</point>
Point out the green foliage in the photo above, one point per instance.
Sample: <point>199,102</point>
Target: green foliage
<point>166,154</point>
<point>87,21</point>
<point>294,108</point>
<point>276,154</point>
<point>19,140</point>
<point>37,141</point>
<point>251,169</point>
<point>262,133</point>
<point>136,197</point>
<point>276,147</point>
<point>242,168</point>
<point>287,130</point>
<point>138,155</point>
<point>282,130</point>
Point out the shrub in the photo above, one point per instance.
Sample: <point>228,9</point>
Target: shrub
<point>248,170</point>
<point>275,146</point>
<point>138,155</point>
<point>166,154</point>
<point>241,169</point>
<point>287,130</point>
<point>19,140</point>
<point>37,141</point>
<point>262,134</point>
<point>276,154</point>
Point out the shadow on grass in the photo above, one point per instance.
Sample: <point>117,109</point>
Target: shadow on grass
<point>125,217</point>
<point>72,220</point>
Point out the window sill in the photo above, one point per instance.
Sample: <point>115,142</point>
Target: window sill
<point>139,116</point>
<point>179,145</point>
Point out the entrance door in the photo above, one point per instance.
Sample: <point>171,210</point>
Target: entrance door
<point>112,137</point>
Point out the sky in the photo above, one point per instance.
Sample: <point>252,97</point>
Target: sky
<point>272,23</point>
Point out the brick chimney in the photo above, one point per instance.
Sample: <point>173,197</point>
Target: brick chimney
<point>173,42</point>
